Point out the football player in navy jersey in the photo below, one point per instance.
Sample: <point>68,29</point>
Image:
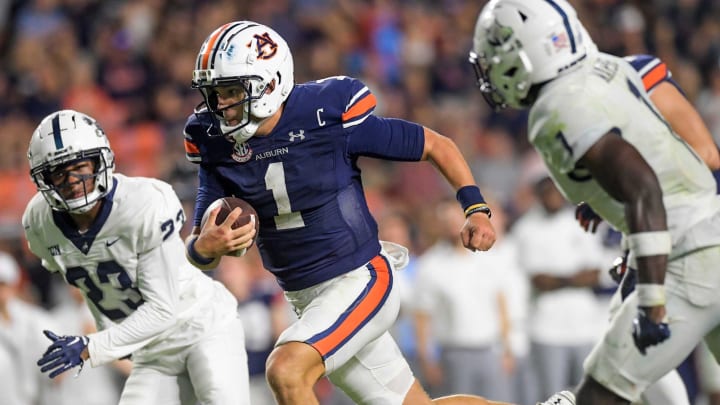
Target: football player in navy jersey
<point>291,151</point>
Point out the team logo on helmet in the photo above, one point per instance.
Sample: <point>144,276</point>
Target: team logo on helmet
<point>241,152</point>
<point>266,47</point>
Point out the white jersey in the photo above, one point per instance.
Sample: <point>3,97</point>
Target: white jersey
<point>606,94</point>
<point>131,266</point>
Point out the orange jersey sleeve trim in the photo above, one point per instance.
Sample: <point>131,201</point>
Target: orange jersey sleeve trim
<point>360,108</point>
<point>191,148</point>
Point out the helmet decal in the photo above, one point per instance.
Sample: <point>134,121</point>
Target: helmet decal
<point>209,50</point>
<point>266,47</point>
<point>56,132</point>
<point>566,22</point>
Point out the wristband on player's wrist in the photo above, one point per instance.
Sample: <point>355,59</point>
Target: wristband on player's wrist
<point>650,295</point>
<point>650,243</point>
<point>472,201</point>
<point>197,257</point>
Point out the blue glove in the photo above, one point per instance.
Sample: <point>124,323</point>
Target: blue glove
<point>63,354</point>
<point>647,333</point>
<point>587,218</point>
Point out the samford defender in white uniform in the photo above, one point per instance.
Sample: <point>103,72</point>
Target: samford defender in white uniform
<point>117,239</point>
<point>605,144</point>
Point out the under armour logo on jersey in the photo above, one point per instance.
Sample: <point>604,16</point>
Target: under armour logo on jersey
<point>266,47</point>
<point>300,135</point>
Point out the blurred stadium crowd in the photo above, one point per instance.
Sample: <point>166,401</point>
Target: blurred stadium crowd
<point>128,63</point>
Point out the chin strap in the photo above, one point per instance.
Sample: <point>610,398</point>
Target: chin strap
<point>243,134</point>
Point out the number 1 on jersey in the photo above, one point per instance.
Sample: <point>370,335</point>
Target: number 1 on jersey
<point>275,182</point>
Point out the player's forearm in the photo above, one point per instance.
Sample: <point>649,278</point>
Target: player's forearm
<point>545,282</point>
<point>651,264</point>
<point>159,287</point>
<point>686,122</point>
<point>446,156</point>
<point>505,324</point>
<point>132,334</point>
<point>645,213</point>
<point>422,335</point>
<point>627,177</point>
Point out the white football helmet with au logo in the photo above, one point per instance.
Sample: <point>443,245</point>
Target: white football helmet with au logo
<point>66,137</point>
<point>247,54</point>
<point>522,43</point>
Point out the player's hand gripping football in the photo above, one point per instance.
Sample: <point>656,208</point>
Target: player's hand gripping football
<point>649,328</point>
<point>218,240</point>
<point>588,219</point>
<point>478,233</point>
<point>64,353</point>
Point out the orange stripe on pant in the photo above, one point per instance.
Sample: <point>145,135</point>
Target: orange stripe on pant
<point>364,308</point>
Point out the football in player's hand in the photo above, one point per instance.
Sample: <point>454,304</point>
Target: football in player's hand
<point>227,204</point>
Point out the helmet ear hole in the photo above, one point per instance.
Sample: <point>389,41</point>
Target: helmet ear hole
<point>511,72</point>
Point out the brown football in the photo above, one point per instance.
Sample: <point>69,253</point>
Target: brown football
<point>227,204</point>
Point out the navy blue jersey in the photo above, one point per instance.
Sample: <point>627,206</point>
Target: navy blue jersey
<point>303,178</point>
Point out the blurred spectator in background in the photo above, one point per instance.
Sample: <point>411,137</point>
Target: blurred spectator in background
<point>22,342</point>
<point>563,265</point>
<point>394,226</point>
<point>516,289</point>
<point>460,303</point>
<point>126,63</point>
<point>99,385</point>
